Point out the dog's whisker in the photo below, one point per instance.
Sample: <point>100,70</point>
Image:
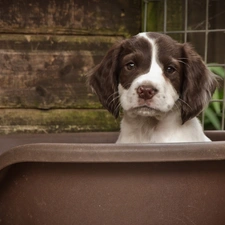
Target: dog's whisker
<point>177,106</point>
<point>113,99</point>
<point>112,95</point>
<point>118,106</point>
<point>185,103</point>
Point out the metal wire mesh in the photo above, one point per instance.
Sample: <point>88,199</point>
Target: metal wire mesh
<point>185,31</point>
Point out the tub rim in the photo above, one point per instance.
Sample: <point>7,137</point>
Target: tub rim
<point>113,153</point>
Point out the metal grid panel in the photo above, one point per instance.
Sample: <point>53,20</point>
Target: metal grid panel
<point>206,31</point>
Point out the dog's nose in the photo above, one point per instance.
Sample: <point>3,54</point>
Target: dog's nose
<point>146,92</point>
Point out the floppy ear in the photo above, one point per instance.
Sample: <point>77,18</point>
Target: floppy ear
<point>104,80</point>
<point>198,84</point>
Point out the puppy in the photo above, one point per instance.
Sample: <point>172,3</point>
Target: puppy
<point>161,86</point>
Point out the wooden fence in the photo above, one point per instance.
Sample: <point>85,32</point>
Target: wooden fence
<point>46,48</point>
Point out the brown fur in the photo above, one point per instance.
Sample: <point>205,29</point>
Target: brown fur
<point>198,84</point>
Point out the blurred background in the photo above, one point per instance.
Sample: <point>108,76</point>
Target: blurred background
<point>47,47</point>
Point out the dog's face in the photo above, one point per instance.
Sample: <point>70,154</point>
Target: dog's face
<point>148,68</point>
<point>149,75</point>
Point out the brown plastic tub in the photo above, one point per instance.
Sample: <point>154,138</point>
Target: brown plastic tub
<point>90,180</point>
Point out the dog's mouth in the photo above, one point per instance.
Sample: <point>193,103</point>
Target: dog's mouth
<point>145,110</point>
<point>145,107</point>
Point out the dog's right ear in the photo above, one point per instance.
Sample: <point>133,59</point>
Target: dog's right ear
<point>103,79</point>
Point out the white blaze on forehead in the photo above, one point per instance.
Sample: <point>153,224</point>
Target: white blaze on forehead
<point>155,73</point>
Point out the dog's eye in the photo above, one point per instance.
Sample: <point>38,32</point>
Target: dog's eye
<point>130,66</point>
<point>170,69</point>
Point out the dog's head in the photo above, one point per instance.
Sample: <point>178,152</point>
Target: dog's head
<point>150,74</point>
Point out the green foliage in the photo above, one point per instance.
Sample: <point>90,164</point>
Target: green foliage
<point>213,114</point>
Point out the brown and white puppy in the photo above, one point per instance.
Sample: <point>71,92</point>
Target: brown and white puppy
<point>161,86</point>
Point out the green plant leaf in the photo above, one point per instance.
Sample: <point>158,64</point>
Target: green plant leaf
<point>219,70</point>
<point>216,105</point>
<point>213,118</point>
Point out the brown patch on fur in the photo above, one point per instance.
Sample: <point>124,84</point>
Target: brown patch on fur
<point>198,84</point>
<point>137,50</point>
<point>104,80</point>
<point>169,54</point>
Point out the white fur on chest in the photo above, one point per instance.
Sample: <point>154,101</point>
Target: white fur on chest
<point>169,130</point>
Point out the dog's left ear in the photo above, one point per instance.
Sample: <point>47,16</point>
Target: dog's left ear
<point>103,79</point>
<point>198,84</point>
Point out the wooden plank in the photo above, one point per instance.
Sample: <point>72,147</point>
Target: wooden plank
<point>46,48</point>
<point>70,16</point>
<point>49,72</point>
<point>56,121</point>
